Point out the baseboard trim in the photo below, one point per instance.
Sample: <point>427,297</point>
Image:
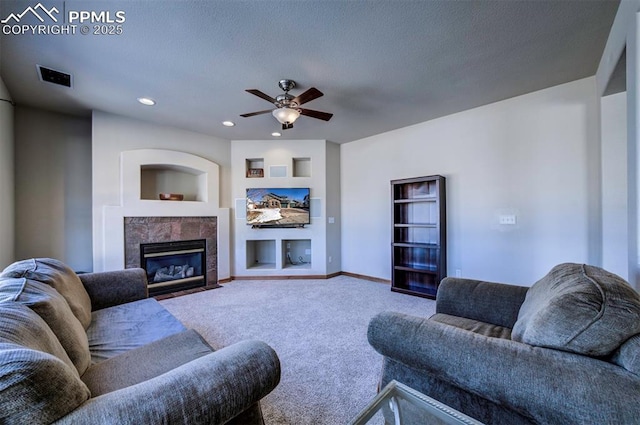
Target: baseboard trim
<point>310,276</point>
<point>297,277</point>
<point>365,277</point>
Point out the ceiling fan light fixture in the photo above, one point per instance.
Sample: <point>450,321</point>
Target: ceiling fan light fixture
<point>286,115</point>
<point>288,106</point>
<point>147,101</point>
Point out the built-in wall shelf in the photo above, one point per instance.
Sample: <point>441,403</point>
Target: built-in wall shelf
<point>296,253</point>
<point>157,179</point>
<point>254,167</point>
<point>301,167</point>
<point>292,254</point>
<point>261,254</point>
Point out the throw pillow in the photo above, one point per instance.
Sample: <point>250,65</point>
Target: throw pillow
<point>55,311</point>
<point>628,355</point>
<point>21,325</point>
<point>60,277</point>
<point>36,387</point>
<point>579,308</point>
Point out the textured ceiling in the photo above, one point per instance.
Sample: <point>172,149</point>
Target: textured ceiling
<point>381,64</point>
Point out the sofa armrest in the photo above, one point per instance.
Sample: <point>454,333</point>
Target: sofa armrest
<point>107,289</point>
<point>547,385</point>
<point>488,302</point>
<point>209,390</point>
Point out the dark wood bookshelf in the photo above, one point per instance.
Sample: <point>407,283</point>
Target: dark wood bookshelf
<point>418,239</point>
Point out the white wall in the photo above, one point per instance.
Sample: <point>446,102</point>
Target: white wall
<point>530,156</point>
<point>334,248</point>
<point>53,187</point>
<point>7,253</point>
<point>615,256</point>
<point>113,134</point>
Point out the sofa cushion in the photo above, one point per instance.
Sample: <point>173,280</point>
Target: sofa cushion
<point>121,328</point>
<point>150,360</point>
<point>22,326</point>
<point>59,276</point>
<point>475,326</point>
<point>55,311</point>
<point>628,355</point>
<point>36,387</point>
<point>579,308</point>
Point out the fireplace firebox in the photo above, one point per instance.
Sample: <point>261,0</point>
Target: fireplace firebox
<point>174,266</point>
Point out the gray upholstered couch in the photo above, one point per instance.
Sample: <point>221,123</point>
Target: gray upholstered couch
<point>565,351</point>
<point>93,349</point>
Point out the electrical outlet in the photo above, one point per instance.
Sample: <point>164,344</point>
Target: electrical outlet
<point>458,273</point>
<point>330,258</point>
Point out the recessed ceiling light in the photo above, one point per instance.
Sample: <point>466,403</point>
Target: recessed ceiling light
<point>228,123</point>
<point>146,101</point>
<point>276,134</point>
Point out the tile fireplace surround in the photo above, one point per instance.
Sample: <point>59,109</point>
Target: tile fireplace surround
<point>139,230</point>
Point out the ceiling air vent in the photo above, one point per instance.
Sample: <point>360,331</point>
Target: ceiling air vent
<point>54,77</point>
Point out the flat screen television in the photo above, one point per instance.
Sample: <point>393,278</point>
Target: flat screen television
<point>278,207</point>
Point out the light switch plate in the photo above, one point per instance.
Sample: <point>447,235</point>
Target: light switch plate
<point>507,219</point>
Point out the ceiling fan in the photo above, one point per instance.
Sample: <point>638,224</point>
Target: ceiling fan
<point>288,106</point>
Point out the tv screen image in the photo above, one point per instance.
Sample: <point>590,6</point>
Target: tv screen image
<point>278,207</point>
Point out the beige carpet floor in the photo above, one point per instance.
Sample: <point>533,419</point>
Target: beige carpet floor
<point>319,330</point>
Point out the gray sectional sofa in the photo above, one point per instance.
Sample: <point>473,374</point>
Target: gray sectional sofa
<point>565,351</point>
<point>93,349</point>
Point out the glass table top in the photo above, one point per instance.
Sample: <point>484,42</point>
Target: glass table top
<point>397,404</point>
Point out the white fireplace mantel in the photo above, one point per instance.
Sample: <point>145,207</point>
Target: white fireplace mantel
<point>166,165</point>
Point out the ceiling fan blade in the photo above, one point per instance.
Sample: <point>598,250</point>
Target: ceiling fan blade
<point>315,114</point>
<point>308,96</point>
<point>250,114</point>
<point>261,95</point>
